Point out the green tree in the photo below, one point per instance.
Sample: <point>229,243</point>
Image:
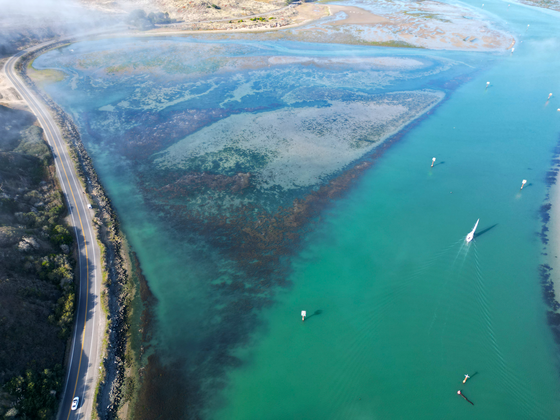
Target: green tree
<point>60,235</point>
<point>35,392</point>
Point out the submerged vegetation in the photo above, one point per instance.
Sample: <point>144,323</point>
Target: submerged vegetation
<point>268,214</point>
<point>256,235</point>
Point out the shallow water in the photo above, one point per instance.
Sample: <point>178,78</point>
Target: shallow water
<point>400,307</point>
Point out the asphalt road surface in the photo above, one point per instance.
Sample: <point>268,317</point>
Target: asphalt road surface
<point>83,369</point>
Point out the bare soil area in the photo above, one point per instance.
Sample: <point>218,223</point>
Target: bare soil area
<point>9,97</point>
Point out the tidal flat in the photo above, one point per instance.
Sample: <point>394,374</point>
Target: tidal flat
<point>255,179</point>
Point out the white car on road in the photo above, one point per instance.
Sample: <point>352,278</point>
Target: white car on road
<point>75,403</point>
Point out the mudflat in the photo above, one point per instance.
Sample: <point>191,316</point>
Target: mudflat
<point>428,24</point>
<point>356,16</point>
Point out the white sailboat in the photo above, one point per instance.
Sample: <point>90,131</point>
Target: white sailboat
<point>470,236</point>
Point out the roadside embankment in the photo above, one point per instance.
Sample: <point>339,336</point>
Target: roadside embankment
<point>38,254</point>
<point>118,288</point>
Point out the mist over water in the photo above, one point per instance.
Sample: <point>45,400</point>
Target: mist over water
<point>29,22</point>
<point>241,221</point>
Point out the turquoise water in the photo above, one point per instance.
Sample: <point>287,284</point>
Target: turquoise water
<point>407,307</point>
<point>400,307</point>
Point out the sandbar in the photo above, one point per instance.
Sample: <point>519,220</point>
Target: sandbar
<point>356,16</point>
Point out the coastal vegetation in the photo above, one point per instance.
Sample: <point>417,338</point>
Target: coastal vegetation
<point>264,242</point>
<point>424,15</point>
<point>37,291</point>
<point>546,4</point>
<point>258,241</point>
<point>46,76</point>
<point>120,300</point>
<point>257,244</point>
<point>143,21</point>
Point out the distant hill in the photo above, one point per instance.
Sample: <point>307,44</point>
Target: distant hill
<point>188,10</point>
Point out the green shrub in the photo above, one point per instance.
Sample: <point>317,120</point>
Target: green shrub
<point>56,211</point>
<point>36,392</point>
<point>60,235</point>
<point>32,143</point>
<point>159,18</point>
<point>64,314</point>
<point>139,19</point>
<point>29,219</point>
<point>128,390</point>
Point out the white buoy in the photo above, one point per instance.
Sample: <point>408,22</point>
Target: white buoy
<point>482,4</point>
<point>433,161</point>
<point>470,236</point>
<point>523,183</point>
<point>466,377</point>
<point>512,50</point>
<point>303,314</point>
<point>549,95</point>
<point>487,84</point>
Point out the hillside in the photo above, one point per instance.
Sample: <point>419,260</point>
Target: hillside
<point>36,270</point>
<point>188,10</point>
<point>187,15</point>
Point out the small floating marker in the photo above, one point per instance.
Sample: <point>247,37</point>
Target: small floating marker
<point>303,314</point>
<point>466,377</point>
<point>549,96</point>
<point>508,5</point>
<point>523,183</point>
<point>433,161</point>
<point>482,4</point>
<point>463,395</point>
<point>512,50</point>
<point>487,84</point>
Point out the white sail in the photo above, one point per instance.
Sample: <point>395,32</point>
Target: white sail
<point>470,236</point>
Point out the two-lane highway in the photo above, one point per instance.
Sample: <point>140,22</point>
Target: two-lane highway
<point>83,369</point>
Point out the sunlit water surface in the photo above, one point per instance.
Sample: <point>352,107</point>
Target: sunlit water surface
<point>401,308</point>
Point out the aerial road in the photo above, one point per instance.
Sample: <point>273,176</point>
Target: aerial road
<point>83,368</point>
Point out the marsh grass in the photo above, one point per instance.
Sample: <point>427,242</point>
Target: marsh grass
<point>44,77</point>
